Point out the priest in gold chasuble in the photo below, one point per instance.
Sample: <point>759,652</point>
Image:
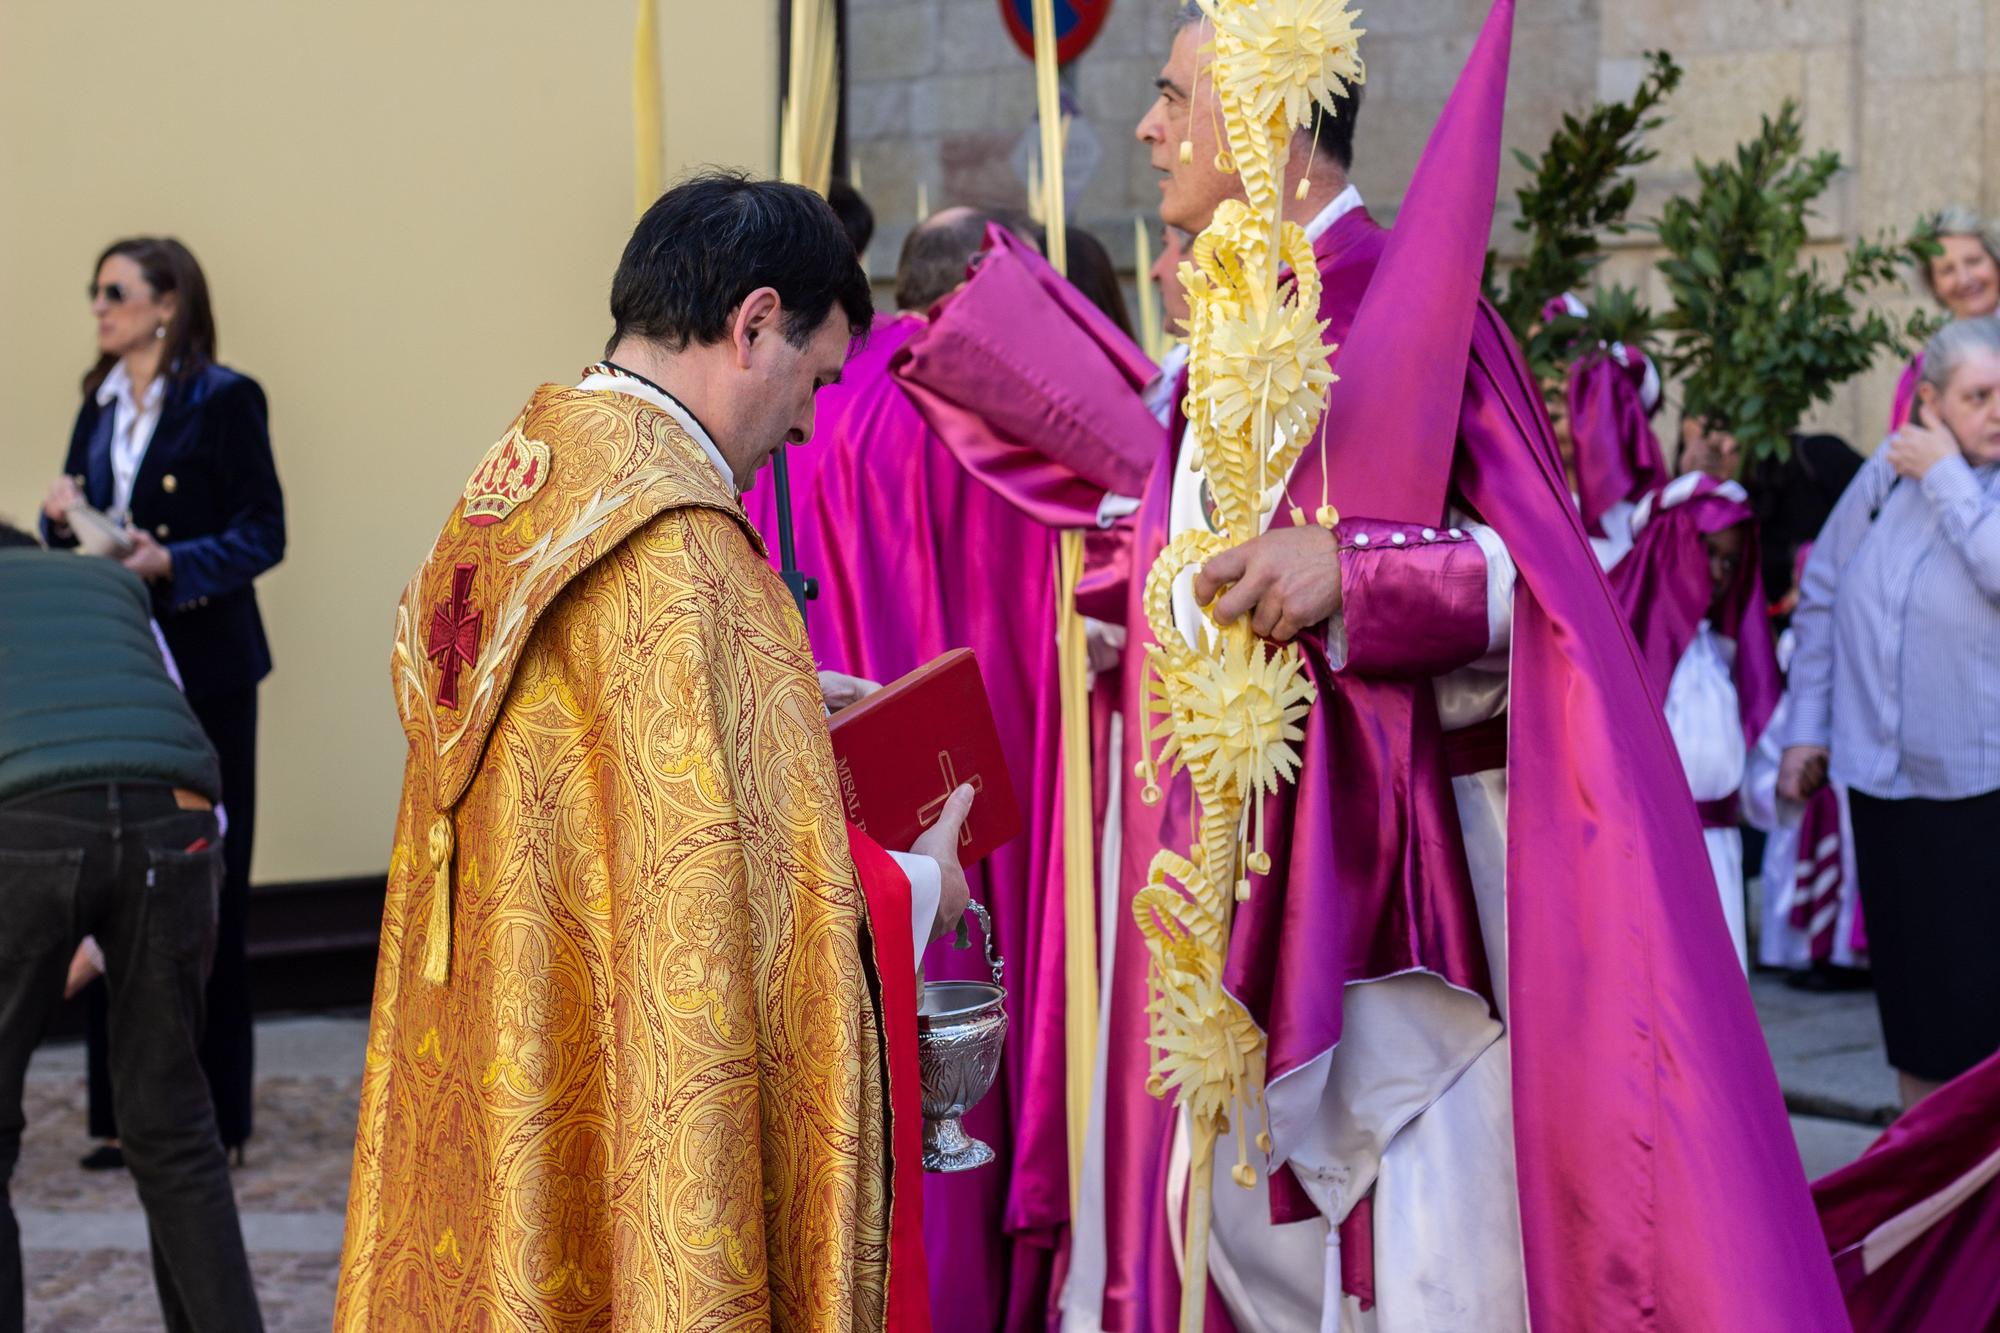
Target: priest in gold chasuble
<point>642,1053</point>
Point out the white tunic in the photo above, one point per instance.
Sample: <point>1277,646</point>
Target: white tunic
<point>1707,727</point>
<point>1616,542</point>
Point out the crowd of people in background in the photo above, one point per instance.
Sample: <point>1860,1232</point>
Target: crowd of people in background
<point>1817,634</point>
<point>1822,635</point>
<point>1873,766</point>
<point>1821,632</point>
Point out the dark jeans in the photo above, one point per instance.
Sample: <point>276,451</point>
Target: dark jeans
<point>126,864</point>
<point>228,1043</point>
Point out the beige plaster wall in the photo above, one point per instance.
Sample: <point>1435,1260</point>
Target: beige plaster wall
<point>409,215</point>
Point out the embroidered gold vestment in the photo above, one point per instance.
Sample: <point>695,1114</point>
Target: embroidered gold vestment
<point>647,1093</point>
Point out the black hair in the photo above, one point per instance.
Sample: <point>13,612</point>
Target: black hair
<point>712,240</point>
<point>854,213</point>
<point>13,536</point>
<point>167,266</point>
<point>1332,132</point>
<point>1092,273</point>
<point>935,256</point>
<point>1793,498</point>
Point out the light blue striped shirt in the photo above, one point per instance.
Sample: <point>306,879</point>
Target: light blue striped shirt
<point>1897,670</point>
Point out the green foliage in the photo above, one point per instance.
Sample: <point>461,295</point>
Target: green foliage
<point>1617,315</point>
<point>1758,334</point>
<point>1581,186</point>
<point>1612,315</point>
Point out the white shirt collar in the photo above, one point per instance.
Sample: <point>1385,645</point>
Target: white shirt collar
<point>1343,203</point>
<point>1159,395</point>
<point>118,385</point>
<point>608,383</point>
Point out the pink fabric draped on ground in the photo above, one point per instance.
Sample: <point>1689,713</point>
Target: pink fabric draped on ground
<point>1658,1182</point>
<point>916,553</point>
<point>1664,588</point>
<point>1914,1223</point>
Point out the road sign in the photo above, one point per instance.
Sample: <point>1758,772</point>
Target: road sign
<point>1077,24</point>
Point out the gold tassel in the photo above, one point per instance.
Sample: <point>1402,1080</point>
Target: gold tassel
<point>437,938</point>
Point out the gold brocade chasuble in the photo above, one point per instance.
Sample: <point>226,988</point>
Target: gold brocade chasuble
<point>648,1093</point>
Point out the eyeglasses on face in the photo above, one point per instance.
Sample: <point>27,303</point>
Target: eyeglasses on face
<point>114,293</point>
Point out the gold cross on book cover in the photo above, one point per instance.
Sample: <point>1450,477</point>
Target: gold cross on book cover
<point>904,748</point>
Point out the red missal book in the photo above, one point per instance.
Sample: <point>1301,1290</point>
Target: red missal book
<point>901,751</point>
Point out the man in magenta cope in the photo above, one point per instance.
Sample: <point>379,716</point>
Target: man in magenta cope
<point>1512,1071</point>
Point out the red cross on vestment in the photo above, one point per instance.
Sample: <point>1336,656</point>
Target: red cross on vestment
<point>454,638</point>
<point>933,809</point>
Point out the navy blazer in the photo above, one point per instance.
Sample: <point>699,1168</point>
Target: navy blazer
<point>208,491</point>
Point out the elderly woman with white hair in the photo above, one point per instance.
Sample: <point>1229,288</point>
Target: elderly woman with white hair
<point>1964,276</point>
<point>1896,693</point>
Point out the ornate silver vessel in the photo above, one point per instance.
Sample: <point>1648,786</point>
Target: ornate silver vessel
<point>960,1026</point>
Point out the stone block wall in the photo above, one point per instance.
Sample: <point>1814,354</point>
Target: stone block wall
<point>939,95</point>
<point>1907,91</point>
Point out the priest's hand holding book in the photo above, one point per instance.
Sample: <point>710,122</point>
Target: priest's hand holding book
<point>940,841</point>
<point>838,690</point>
<point>920,765</point>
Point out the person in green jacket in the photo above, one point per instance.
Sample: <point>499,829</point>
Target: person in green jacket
<point>108,828</point>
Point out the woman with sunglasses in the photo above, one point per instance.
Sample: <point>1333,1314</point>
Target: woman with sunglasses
<point>176,449</point>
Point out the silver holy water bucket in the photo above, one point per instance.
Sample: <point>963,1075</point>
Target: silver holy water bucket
<point>960,1025</point>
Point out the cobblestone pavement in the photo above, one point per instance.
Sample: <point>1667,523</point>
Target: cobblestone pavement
<point>1828,1050</point>
<point>84,1236</point>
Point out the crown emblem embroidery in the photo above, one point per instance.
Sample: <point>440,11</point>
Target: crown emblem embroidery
<point>510,474</point>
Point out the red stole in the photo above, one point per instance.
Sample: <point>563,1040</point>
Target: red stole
<point>887,890</point>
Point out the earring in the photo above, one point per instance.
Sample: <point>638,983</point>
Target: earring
<point>160,331</point>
